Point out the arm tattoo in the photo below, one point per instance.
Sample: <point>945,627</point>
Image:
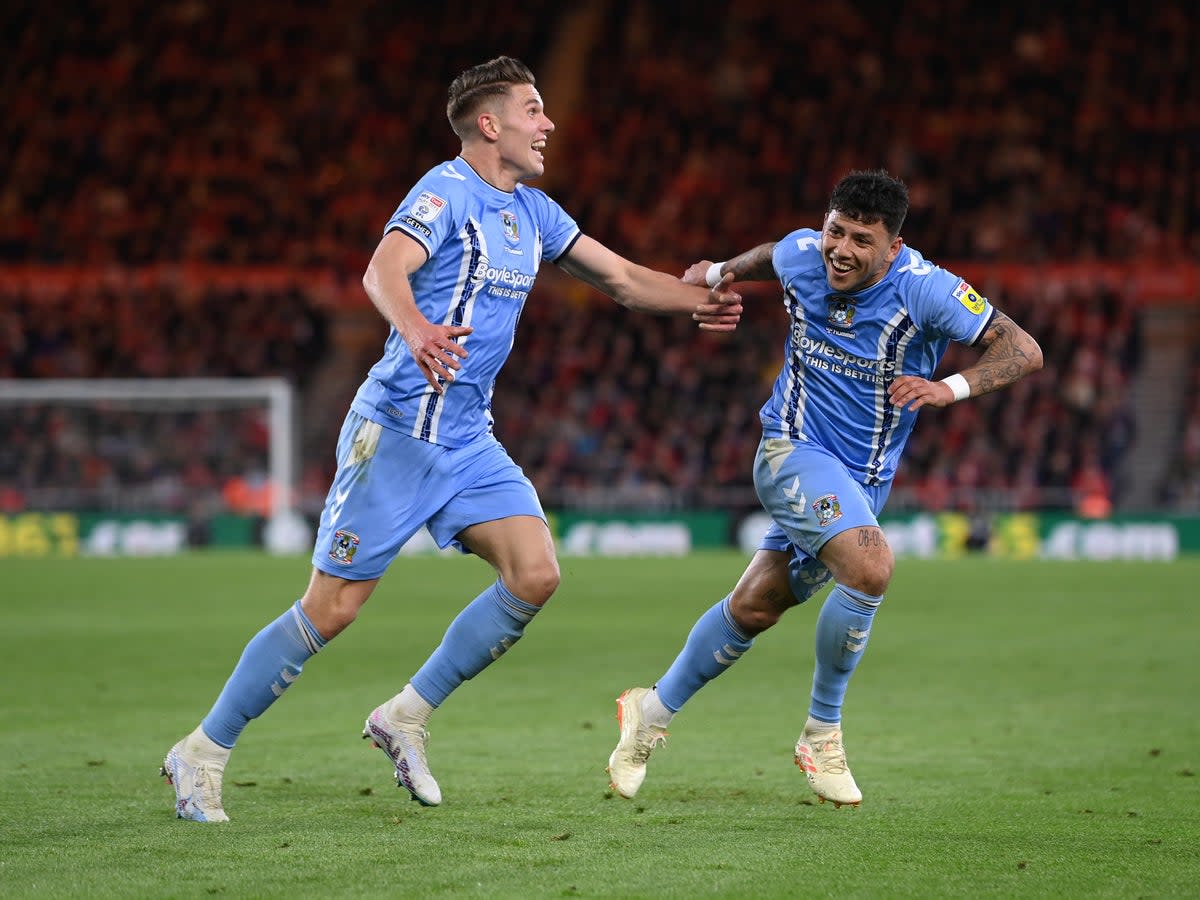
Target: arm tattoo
<point>753,265</point>
<point>1010,355</point>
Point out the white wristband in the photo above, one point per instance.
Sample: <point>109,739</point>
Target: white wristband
<point>958,386</point>
<point>713,276</point>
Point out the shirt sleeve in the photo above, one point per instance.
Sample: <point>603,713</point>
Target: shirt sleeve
<point>426,213</point>
<point>559,230</point>
<point>796,252</point>
<point>947,305</point>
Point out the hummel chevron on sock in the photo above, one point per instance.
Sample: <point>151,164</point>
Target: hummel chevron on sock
<point>478,636</point>
<point>714,644</point>
<point>270,663</point>
<point>843,628</point>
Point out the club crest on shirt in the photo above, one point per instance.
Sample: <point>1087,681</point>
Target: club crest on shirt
<point>344,546</point>
<point>509,222</point>
<point>841,312</point>
<point>828,509</point>
<point>427,207</point>
<point>969,297</point>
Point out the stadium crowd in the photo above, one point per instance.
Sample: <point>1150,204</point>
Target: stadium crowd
<point>1180,489</point>
<point>254,139</point>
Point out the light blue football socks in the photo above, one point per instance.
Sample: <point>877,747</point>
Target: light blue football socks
<point>274,658</point>
<point>841,636</point>
<point>714,644</point>
<point>269,664</point>
<point>478,636</point>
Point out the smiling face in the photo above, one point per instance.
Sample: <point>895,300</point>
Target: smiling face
<point>520,128</point>
<point>856,255</point>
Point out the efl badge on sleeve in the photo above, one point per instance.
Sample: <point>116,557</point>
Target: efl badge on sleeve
<point>828,510</point>
<point>345,543</point>
<point>969,297</point>
<point>427,207</point>
<point>511,231</point>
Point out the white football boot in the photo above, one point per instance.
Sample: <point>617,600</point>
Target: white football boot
<point>404,743</point>
<point>823,758</point>
<point>627,763</point>
<point>195,767</point>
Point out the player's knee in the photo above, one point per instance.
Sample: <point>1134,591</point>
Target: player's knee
<point>332,603</point>
<point>861,560</point>
<point>534,583</point>
<point>873,575</point>
<point>330,615</point>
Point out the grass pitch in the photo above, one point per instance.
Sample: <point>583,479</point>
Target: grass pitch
<point>1018,730</point>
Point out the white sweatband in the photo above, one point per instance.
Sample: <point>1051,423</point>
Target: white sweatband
<point>958,386</point>
<point>713,276</point>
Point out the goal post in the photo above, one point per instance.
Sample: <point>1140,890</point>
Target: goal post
<point>286,530</point>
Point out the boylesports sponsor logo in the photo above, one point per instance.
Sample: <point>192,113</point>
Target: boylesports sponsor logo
<point>820,349</point>
<point>484,271</point>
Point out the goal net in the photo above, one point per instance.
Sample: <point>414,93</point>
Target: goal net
<point>106,466</point>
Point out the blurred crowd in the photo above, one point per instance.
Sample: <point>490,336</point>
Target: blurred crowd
<point>160,328</point>
<point>127,454</point>
<point>1181,488</point>
<point>268,137</point>
<point>1026,131</point>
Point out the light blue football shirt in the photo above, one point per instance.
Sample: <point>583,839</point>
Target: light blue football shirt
<point>484,247</point>
<point>843,350</point>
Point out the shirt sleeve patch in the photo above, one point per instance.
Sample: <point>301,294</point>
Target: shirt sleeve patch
<point>427,207</point>
<point>970,298</point>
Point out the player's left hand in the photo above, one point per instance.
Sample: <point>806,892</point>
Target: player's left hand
<point>914,392</point>
<point>724,309</point>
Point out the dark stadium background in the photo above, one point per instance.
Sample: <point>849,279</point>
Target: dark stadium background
<point>194,189</point>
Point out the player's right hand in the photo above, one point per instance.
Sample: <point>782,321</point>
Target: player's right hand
<point>436,351</point>
<point>911,392</point>
<point>724,310</point>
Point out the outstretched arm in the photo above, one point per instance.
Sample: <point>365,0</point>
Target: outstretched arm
<point>753,265</point>
<point>1010,354</point>
<point>650,291</point>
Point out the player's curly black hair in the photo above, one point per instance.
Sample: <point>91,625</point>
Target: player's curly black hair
<point>870,196</point>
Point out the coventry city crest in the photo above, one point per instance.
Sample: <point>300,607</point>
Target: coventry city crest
<point>841,312</point>
<point>344,545</point>
<point>828,510</point>
<point>509,222</point>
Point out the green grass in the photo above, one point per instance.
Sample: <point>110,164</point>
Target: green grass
<point>1018,730</point>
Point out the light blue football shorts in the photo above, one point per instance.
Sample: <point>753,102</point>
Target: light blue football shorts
<point>388,485</point>
<point>810,496</point>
